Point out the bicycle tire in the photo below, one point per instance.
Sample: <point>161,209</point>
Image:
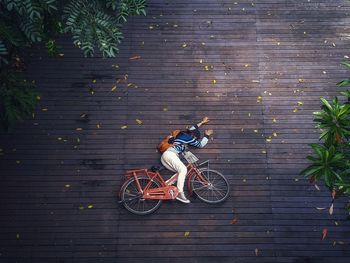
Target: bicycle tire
<point>129,190</point>
<point>204,192</point>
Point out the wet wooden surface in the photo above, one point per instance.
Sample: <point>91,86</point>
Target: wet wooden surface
<point>284,51</point>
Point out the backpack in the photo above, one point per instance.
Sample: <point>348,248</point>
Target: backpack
<point>167,142</point>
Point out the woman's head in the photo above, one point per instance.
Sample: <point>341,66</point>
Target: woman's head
<point>194,133</point>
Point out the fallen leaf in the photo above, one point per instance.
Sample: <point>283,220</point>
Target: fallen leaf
<point>214,81</point>
<point>67,185</point>
<point>274,120</point>
<point>301,80</point>
<point>320,208</point>
<point>165,109</point>
<point>138,121</point>
<point>44,109</point>
<point>274,134</point>
<point>90,206</point>
<point>324,233</point>
<point>268,140</point>
<point>256,252</point>
<point>186,234</point>
<point>206,68</point>
<point>331,209</point>
<point>256,131</point>
<point>317,187</point>
<point>333,194</point>
<point>336,223</point>
<point>17,235</point>
<point>98,125</point>
<point>114,88</point>
<point>324,72</point>
<point>61,55</point>
<point>259,98</point>
<point>295,110</point>
<point>184,45</point>
<point>242,129</point>
<point>263,151</point>
<point>124,127</point>
<point>115,66</point>
<point>299,103</point>
<point>79,129</point>
<point>94,81</point>
<point>135,57</point>
<point>255,81</point>
<point>233,221</point>
<point>38,98</point>
<point>333,44</point>
<point>92,92</point>
<point>246,65</point>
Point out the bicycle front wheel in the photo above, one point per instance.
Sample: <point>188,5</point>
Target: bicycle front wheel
<point>210,186</point>
<point>132,198</point>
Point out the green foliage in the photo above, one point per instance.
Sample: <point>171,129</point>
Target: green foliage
<point>326,165</point>
<point>334,121</point>
<point>331,160</point>
<point>18,98</point>
<point>51,47</point>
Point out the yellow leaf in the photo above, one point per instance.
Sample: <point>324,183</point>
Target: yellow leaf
<point>90,206</point>
<point>114,88</point>
<point>259,98</point>
<point>268,140</point>
<point>274,120</point>
<point>138,121</point>
<point>274,134</point>
<point>295,110</point>
<point>299,103</point>
<point>186,234</point>
<point>94,81</point>
<point>256,131</point>
<point>214,81</point>
<point>124,127</point>
<point>206,67</point>
<point>184,45</point>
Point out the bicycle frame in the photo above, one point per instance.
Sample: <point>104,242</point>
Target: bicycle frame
<point>165,191</point>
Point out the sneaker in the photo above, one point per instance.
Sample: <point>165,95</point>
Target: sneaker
<point>182,198</point>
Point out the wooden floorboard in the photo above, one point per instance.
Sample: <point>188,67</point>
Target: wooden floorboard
<point>286,51</point>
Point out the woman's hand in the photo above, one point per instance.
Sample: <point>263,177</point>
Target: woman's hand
<point>208,132</point>
<point>205,120</point>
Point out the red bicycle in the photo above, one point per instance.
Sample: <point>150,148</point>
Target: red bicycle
<point>144,190</point>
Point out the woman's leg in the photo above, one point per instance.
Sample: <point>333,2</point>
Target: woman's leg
<point>172,162</point>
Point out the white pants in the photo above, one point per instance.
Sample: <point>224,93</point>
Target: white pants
<point>172,162</point>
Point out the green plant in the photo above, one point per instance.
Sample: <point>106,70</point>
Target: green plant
<point>18,98</point>
<point>334,121</point>
<point>331,160</point>
<point>327,165</point>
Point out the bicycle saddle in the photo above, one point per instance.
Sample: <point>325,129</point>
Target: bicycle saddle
<point>157,168</point>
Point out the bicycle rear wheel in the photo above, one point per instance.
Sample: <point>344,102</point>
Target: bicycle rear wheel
<point>211,186</point>
<point>132,198</point>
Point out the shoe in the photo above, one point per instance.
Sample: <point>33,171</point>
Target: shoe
<point>170,183</point>
<point>182,198</point>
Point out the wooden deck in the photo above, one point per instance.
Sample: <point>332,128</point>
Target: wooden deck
<point>57,165</point>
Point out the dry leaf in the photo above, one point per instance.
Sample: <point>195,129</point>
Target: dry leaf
<point>333,194</point>
<point>301,80</point>
<point>201,61</point>
<point>336,223</point>
<point>324,233</point>
<point>299,103</point>
<point>274,134</point>
<point>274,120</point>
<point>268,140</point>
<point>333,44</point>
<point>263,151</point>
<point>317,187</point>
<point>115,66</point>
<point>233,221</point>
<point>98,125</point>
<point>214,81</point>
<point>138,121</point>
<point>114,88</point>
<point>246,65</point>
<point>295,110</point>
<point>124,127</point>
<point>331,209</point>
<point>186,234</point>
<point>320,208</point>
<point>206,68</point>
<point>135,57</point>
<point>242,129</point>
<point>184,45</point>
<point>256,131</point>
<point>79,129</point>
